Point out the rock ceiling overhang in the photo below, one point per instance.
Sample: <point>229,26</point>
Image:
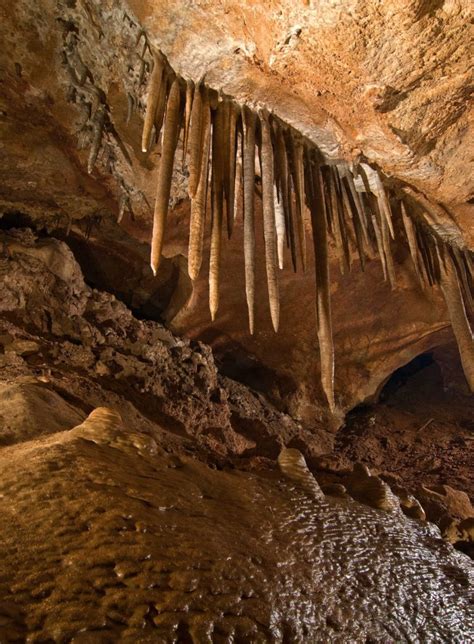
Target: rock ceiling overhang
<point>340,73</point>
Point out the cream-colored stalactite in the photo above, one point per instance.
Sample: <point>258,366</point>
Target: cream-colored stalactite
<point>457,315</point>
<point>279,226</point>
<point>217,198</point>
<point>249,120</point>
<point>199,202</point>
<point>411,238</point>
<point>238,190</point>
<point>384,203</point>
<point>378,238</point>
<point>187,117</point>
<point>165,173</point>
<point>230,169</point>
<point>195,139</point>
<point>269,229</point>
<point>155,88</point>
<point>298,179</point>
<point>336,222</point>
<point>283,179</point>
<point>323,294</point>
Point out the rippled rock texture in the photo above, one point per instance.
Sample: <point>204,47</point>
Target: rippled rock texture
<point>107,538</point>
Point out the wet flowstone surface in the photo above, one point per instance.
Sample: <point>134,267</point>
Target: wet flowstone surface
<point>108,538</point>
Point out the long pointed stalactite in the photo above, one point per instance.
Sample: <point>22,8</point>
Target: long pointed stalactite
<point>217,201</point>
<point>165,173</point>
<point>314,191</point>
<point>156,91</point>
<point>349,207</point>
<point>269,226</point>
<point>250,120</point>
<point>199,201</point>
<point>457,312</point>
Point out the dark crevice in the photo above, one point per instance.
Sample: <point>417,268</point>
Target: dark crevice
<point>401,376</point>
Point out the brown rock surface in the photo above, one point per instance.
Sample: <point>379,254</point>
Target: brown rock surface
<point>142,547</point>
<point>92,351</point>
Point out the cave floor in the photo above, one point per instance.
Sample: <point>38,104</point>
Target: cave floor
<point>418,433</point>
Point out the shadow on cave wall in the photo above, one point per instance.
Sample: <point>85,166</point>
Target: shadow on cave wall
<point>114,262</point>
<point>404,376</point>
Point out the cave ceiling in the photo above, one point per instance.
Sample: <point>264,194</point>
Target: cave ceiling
<point>382,83</point>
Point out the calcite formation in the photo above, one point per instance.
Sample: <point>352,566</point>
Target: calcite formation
<point>145,546</point>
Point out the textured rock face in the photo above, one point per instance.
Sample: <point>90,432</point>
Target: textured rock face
<point>143,546</point>
<point>88,348</point>
<point>342,73</point>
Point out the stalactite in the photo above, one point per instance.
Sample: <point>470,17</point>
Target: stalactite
<point>352,216</point>
<point>384,204</point>
<point>336,222</point>
<point>359,209</point>
<point>195,139</point>
<point>381,220</point>
<point>230,168</point>
<point>155,85</point>
<point>249,121</point>
<point>269,230</point>
<point>372,247</point>
<point>359,234</point>
<point>337,196</point>
<point>338,203</point>
<point>377,225</point>
<point>165,172</point>
<point>238,190</point>
<point>160,110</point>
<point>424,245</point>
<point>279,226</point>
<point>385,233</point>
<point>457,314</point>
<point>291,219</point>
<point>411,238</point>
<point>283,186</point>
<point>463,277</point>
<point>295,149</point>
<point>187,116</point>
<point>314,190</point>
<point>199,202</point>
<point>217,200</point>
<point>423,255</point>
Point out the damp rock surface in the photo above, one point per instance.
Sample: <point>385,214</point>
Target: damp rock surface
<point>142,546</point>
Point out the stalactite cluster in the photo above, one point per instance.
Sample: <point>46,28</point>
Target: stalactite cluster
<point>348,206</point>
